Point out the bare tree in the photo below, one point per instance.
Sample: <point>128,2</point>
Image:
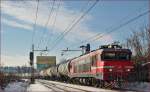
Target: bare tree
<point>139,42</point>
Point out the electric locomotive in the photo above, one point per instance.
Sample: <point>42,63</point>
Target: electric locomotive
<point>109,63</point>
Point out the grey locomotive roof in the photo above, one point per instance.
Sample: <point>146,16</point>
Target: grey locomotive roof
<point>112,49</point>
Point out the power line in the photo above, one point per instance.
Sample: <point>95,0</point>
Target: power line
<point>49,17</point>
<point>66,31</point>
<point>34,28</point>
<point>32,44</point>
<point>99,35</point>
<point>53,25</point>
<point>72,26</point>
<point>69,25</point>
<point>124,24</point>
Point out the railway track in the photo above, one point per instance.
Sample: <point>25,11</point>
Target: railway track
<point>56,87</point>
<point>62,88</point>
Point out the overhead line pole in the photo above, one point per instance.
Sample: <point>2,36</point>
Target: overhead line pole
<point>32,62</point>
<point>149,15</point>
<point>32,52</point>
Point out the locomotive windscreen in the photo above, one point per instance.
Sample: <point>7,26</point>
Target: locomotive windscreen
<point>115,56</point>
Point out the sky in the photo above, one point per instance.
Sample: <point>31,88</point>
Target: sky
<point>18,26</point>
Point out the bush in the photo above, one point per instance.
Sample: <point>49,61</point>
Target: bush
<point>2,80</point>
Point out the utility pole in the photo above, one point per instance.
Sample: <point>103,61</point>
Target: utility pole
<point>32,62</point>
<point>149,14</point>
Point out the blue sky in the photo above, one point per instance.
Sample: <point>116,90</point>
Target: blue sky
<point>18,17</point>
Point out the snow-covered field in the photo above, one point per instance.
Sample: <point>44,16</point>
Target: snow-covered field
<point>141,87</point>
<point>16,87</point>
<point>38,88</point>
<point>79,87</point>
<point>132,87</point>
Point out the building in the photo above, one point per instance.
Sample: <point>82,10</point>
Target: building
<point>45,61</point>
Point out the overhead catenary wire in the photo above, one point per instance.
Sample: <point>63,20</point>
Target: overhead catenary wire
<point>121,25</point>
<point>99,35</point>
<point>35,23</point>
<point>58,40</point>
<point>82,9</point>
<point>45,25</point>
<point>53,25</point>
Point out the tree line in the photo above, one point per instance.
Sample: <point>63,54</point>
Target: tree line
<point>139,43</point>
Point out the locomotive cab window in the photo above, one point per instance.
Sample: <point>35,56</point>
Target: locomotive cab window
<point>115,56</point>
<point>108,56</point>
<point>123,56</point>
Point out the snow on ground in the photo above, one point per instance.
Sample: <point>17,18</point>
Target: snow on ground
<point>87,88</point>
<point>38,88</point>
<point>141,87</point>
<point>16,87</point>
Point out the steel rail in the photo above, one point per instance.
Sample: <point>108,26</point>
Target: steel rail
<point>54,85</point>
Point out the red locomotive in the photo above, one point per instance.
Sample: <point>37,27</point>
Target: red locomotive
<point>106,65</point>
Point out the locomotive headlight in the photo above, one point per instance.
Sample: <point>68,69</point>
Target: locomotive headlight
<point>128,70</point>
<point>110,70</point>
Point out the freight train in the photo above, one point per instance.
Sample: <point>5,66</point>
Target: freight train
<point>110,64</point>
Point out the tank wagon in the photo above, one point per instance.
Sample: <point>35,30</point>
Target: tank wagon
<point>108,64</point>
<point>49,72</point>
<point>44,74</point>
